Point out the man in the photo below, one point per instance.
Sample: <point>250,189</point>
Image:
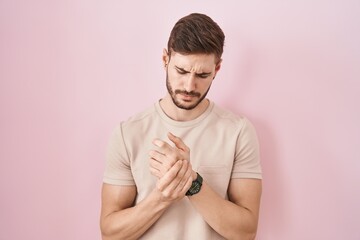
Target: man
<point>184,168</point>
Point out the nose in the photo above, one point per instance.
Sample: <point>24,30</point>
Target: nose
<point>190,84</point>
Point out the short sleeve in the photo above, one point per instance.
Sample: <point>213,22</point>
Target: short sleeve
<point>247,156</point>
<point>117,168</point>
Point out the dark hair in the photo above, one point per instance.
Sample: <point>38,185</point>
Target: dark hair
<point>196,33</point>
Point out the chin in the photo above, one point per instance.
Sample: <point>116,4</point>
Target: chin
<point>186,105</point>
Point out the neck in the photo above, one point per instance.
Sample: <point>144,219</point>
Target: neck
<point>182,115</point>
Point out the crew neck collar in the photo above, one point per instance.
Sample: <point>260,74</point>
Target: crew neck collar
<point>189,123</point>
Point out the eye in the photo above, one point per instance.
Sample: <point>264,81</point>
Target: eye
<point>181,72</point>
<point>203,76</point>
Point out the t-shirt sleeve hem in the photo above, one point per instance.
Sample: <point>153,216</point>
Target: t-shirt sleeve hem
<point>246,175</point>
<point>118,181</point>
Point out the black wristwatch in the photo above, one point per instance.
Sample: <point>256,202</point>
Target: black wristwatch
<point>195,186</point>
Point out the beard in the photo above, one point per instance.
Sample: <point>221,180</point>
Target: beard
<point>192,93</point>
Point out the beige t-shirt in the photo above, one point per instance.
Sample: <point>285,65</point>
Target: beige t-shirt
<point>222,146</point>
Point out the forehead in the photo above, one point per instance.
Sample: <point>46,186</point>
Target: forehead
<point>194,62</point>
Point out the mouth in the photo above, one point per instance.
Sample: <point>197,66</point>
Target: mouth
<point>186,97</point>
<point>187,94</point>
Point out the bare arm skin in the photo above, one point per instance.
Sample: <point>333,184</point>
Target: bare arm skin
<point>233,219</point>
<point>236,218</point>
<point>120,219</point>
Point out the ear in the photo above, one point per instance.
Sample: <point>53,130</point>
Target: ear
<point>217,67</point>
<point>165,57</point>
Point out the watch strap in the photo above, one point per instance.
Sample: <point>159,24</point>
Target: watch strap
<point>195,186</point>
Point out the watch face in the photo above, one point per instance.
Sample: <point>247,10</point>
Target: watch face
<point>195,187</point>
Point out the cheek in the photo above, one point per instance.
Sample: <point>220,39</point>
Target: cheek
<point>205,84</point>
<point>175,79</point>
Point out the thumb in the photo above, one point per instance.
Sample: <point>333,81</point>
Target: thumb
<point>177,141</point>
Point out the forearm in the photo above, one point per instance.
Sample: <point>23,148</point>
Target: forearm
<point>131,223</point>
<point>225,217</point>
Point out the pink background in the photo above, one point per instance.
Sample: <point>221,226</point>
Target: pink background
<point>71,70</point>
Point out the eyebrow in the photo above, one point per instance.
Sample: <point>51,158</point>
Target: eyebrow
<point>184,71</point>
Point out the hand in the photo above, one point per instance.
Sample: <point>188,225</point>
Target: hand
<point>165,156</point>
<point>175,183</point>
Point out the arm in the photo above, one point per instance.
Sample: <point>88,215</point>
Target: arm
<point>233,219</point>
<point>120,219</point>
<point>236,218</point>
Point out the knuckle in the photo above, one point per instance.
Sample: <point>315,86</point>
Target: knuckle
<point>172,162</point>
<point>172,156</point>
<point>159,187</point>
<point>166,194</point>
<point>189,165</point>
<point>166,167</point>
<point>172,174</point>
<point>177,179</point>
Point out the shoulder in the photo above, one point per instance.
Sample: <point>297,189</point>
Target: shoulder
<point>139,123</point>
<point>141,115</point>
<point>231,118</point>
<point>133,121</point>
<point>138,117</point>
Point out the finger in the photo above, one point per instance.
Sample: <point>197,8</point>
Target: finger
<point>178,142</point>
<point>183,175</point>
<point>187,185</point>
<point>169,176</point>
<point>187,181</point>
<point>161,168</point>
<point>174,189</point>
<point>166,161</point>
<point>157,156</point>
<point>162,146</point>
<point>155,172</point>
<point>168,154</point>
<point>189,171</point>
<point>179,178</point>
<point>155,164</point>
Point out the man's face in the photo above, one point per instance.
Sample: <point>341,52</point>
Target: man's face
<point>189,77</point>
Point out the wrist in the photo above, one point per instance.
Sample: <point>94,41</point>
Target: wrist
<point>160,199</point>
<point>193,175</point>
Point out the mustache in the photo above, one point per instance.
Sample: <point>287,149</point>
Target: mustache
<point>192,93</point>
